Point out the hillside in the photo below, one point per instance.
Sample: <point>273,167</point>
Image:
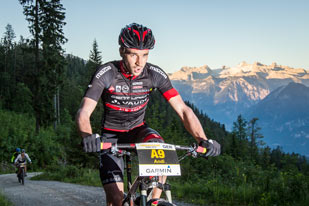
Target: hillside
<point>229,91</point>
<point>284,117</point>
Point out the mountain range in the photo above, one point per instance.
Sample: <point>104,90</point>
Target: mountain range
<point>253,90</point>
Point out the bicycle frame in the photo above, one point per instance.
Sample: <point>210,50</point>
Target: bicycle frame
<point>145,183</point>
<point>21,173</point>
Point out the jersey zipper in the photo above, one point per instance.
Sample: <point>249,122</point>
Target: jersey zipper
<point>130,92</point>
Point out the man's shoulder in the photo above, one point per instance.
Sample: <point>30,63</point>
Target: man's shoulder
<point>109,67</point>
<point>156,70</point>
<point>111,64</point>
<point>153,65</point>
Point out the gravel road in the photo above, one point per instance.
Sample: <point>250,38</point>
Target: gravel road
<point>49,193</point>
<point>52,193</point>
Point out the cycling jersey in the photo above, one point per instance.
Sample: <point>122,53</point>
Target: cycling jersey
<point>125,96</point>
<point>14,156</point>
<point>20,159</point>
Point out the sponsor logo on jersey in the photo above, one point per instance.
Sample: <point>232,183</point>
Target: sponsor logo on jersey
<point>111,89</point>
<point>102,71</point>
<point>118,88</point>
<point>125,88</point>
<point>159,71</point>
<point>137,87</point>
<point>134,102</point>
<point>115,101</point>
<point>137,83</point>
<point>120,97</point>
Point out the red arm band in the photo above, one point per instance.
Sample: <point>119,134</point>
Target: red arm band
<point>170,93</point>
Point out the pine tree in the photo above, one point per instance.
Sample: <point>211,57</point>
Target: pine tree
<point>46,19</point>
<point>239,128</point>
<point>95,60</point>
<point>9,36</point>
<point>8,63</point>
<point>95,54</point>
<point>254,135</point>
<point>240,131</point>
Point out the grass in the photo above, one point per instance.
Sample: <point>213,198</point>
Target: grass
<point>4,201</point>
<point>213,191</point>
<point>71,174</point>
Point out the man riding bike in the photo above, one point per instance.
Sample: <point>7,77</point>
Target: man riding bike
<point>16,153</point>
<point>124,87</point>
<point>14,156</point>
<point>22,158</point>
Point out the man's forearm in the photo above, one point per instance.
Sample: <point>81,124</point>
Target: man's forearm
<point>193,125</point>
<point>84,126</point>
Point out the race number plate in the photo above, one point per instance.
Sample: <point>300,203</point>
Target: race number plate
<point>157,159</point>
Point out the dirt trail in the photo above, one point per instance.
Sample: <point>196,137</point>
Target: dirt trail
<point>52,193</point>
<point>49,193</point>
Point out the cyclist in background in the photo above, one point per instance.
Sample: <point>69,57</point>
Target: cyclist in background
<point>22,158</point>
<point>124,87</point>
<point>16,153</point>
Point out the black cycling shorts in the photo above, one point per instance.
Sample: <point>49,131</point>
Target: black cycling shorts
<point>112,167</point>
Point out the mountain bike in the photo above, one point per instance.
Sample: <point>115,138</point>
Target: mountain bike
<point>154,160</point>
<point>21,173</point>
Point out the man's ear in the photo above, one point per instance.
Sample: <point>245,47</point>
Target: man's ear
<point>121,51</point>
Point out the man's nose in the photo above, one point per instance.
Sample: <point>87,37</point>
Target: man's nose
<point>138,61</point>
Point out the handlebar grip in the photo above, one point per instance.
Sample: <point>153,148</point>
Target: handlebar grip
<point>106,145</point>
<point>202,150</point>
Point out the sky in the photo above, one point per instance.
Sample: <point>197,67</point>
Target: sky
<point>188,32</point>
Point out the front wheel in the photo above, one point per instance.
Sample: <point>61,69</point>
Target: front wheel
<point>22,174</point>
<point>159,202</point>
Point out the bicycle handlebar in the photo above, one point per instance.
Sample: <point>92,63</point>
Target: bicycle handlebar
<point>121,149</point>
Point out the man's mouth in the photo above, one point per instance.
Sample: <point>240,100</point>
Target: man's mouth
<point>138,69</point>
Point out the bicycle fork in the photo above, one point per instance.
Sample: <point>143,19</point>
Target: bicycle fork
<point>166,188</point>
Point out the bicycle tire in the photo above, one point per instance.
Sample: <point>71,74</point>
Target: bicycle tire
<point>23,176</point>
<point>159,202</point>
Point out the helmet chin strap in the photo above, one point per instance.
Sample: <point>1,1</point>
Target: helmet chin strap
<point>126,68</point>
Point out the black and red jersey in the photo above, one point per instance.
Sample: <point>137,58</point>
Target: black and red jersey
<point>125,96</point>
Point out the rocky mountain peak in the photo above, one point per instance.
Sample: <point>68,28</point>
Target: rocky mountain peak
<point>226,92</point>
<point>244,69</point>
<point>191,73</point>
<point>202,69</point>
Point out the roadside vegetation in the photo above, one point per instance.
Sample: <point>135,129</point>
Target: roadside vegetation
<point>4,201</point>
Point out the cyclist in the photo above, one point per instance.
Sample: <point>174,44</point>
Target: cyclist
<point>15,154</point>
<point>124,87</point>
<point>22,158</point>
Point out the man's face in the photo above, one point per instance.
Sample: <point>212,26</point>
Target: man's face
<point>134,60</point>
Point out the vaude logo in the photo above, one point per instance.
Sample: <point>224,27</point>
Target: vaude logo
<point>100,73</point>
<point>159,71</point>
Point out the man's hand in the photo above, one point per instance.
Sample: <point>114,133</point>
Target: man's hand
<point>92,143</point>
<point>212,146</point>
